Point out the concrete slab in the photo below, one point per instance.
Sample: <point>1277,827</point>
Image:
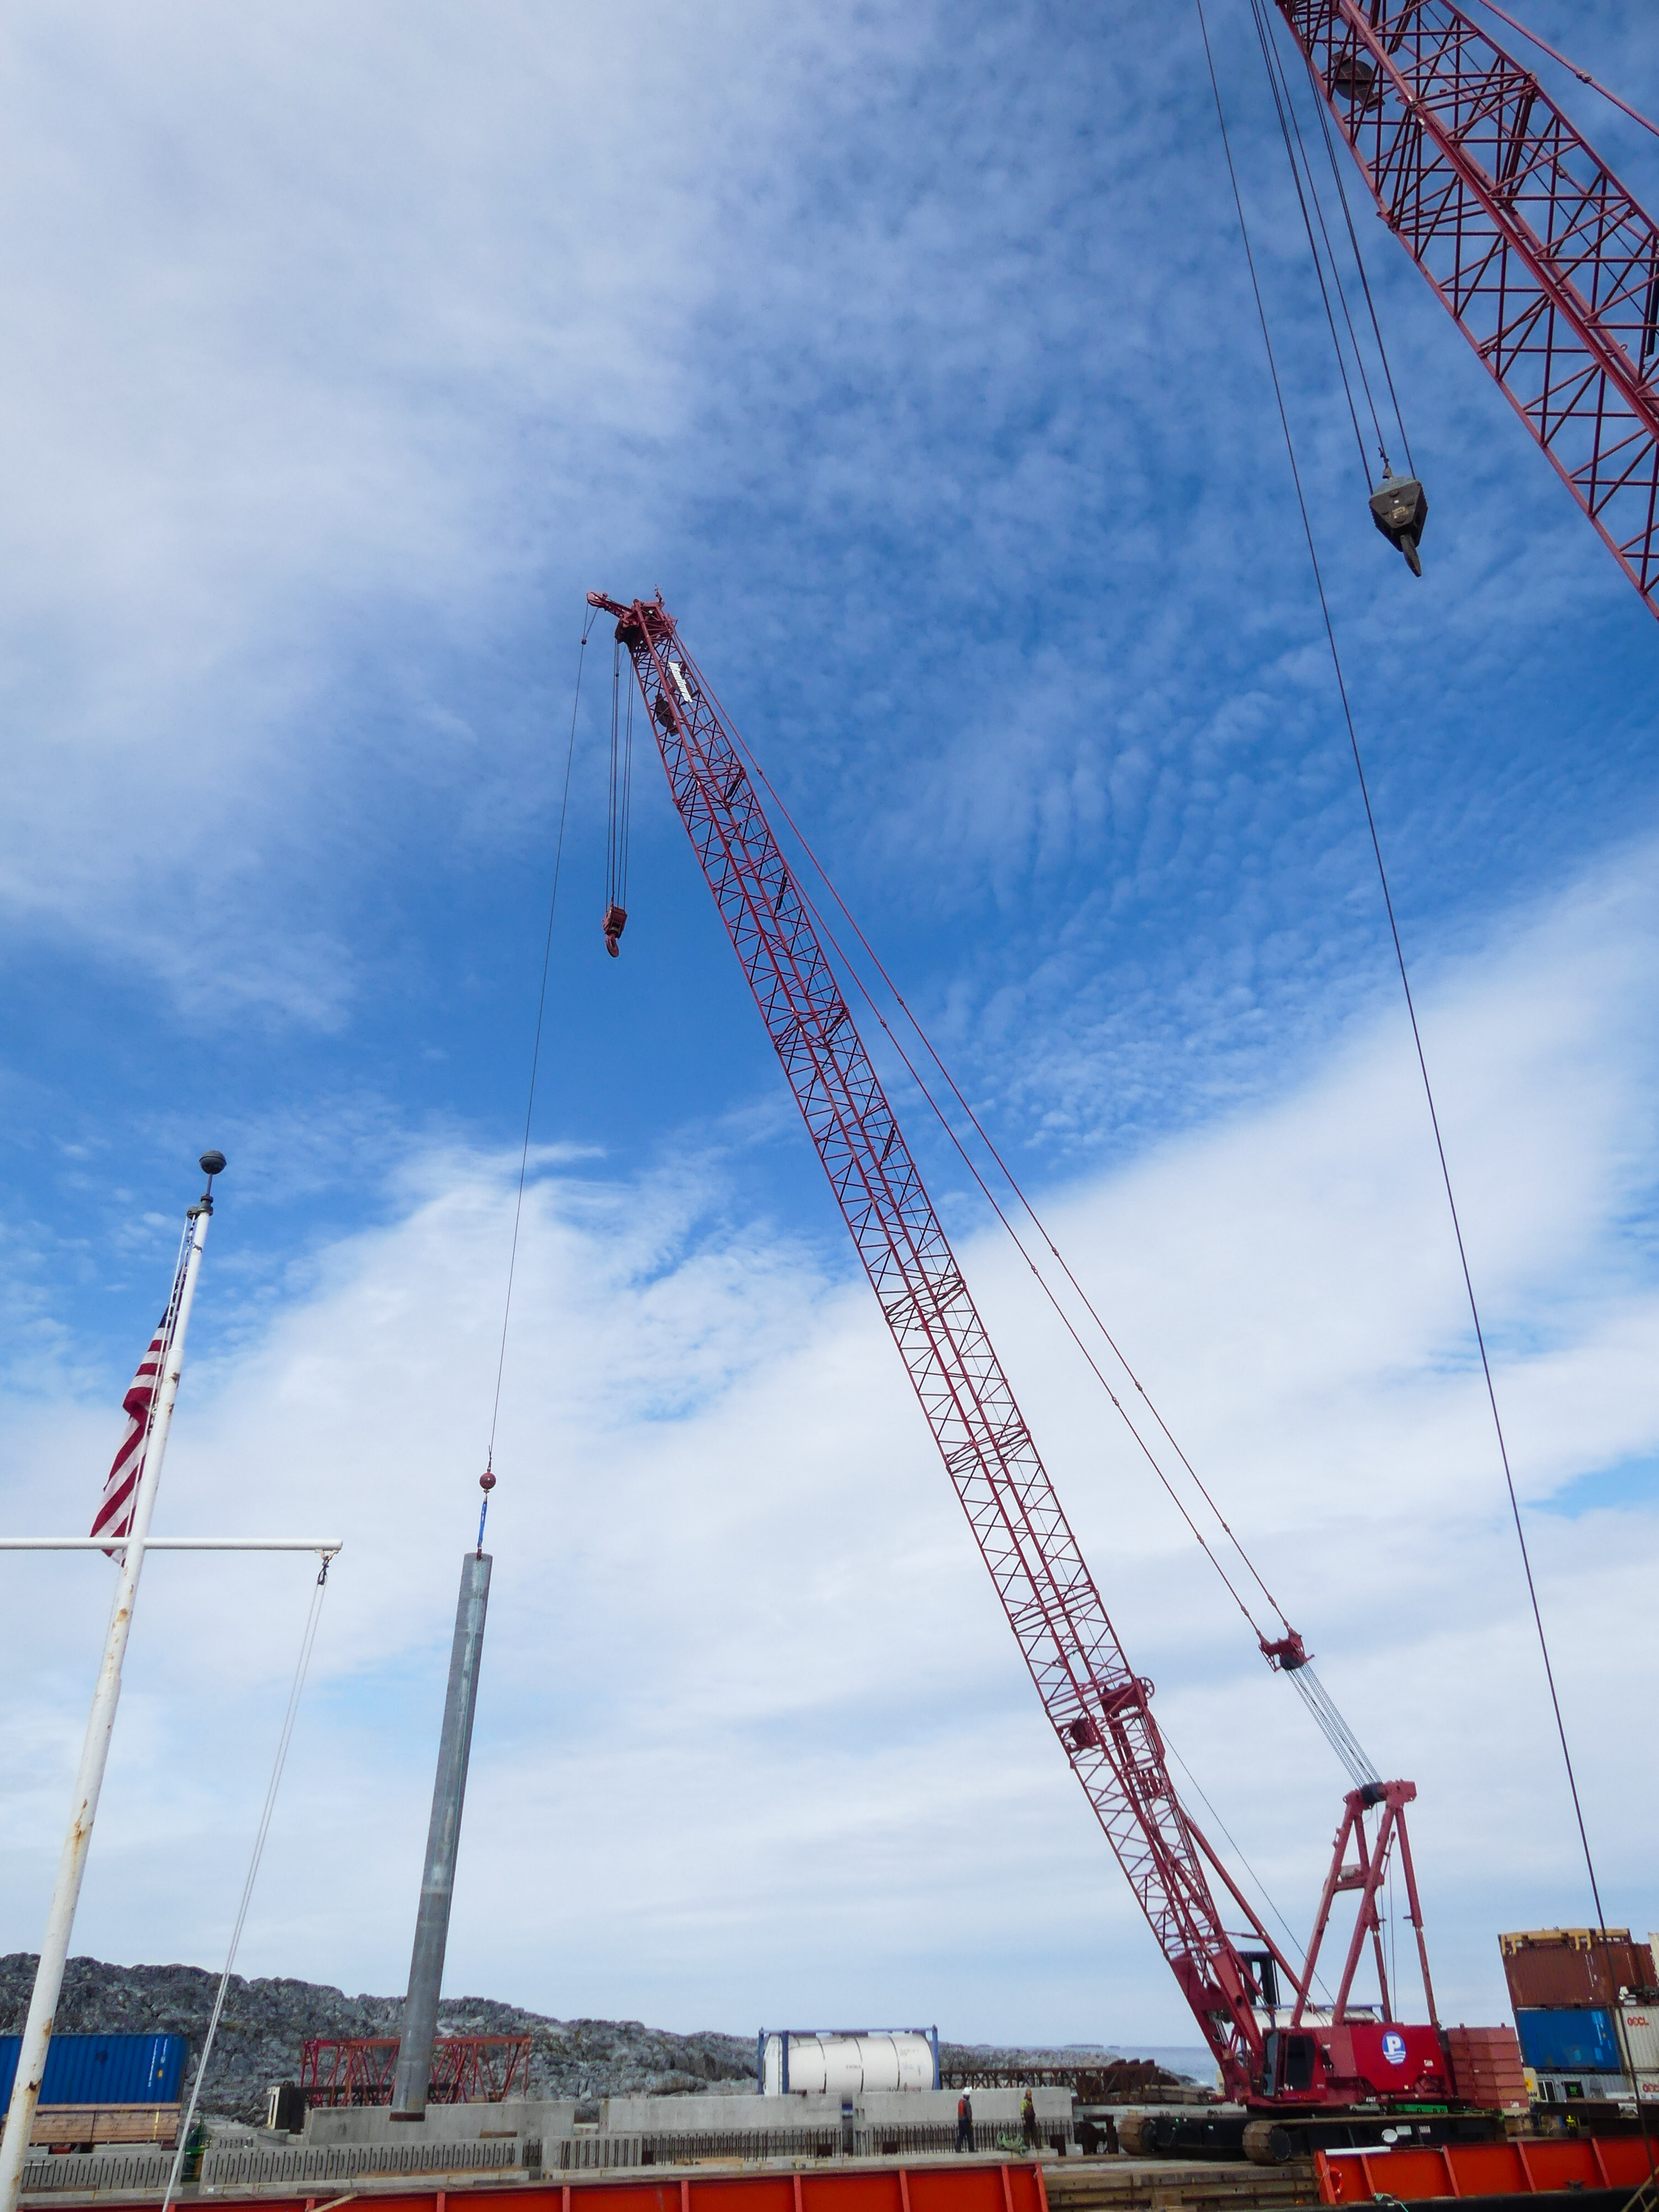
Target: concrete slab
<point>373,2124</point>
<point>877,2108</point>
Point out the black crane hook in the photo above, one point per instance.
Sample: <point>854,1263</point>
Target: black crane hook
<point>1399,507</point>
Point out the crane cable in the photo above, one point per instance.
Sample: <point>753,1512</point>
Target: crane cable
<point>1044,1285</point>
<point>620,802</point>
<point>1582,75</point>
<point>1200,1792</point>
<point>487,1481</point>
<point>759,773</point>
<point>1322,1707</point>
<point>1339,176</point>
<point>1405,979</point>
<point>1301,165</point>
<point>1287,117</point>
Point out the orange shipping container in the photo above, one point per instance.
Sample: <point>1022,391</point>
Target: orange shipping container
<point>1555,1968</point>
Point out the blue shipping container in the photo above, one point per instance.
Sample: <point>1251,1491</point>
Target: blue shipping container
<point>1579,2041</point>
<point>102,2069</point>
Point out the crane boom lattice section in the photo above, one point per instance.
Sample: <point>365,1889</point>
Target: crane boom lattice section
<point>1097,1705</point>
<point>1548,266</point>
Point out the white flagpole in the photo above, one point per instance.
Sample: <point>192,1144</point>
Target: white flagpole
<point>95,1752</point>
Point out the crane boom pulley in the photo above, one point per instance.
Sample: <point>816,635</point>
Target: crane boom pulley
<point>1100,1709</point>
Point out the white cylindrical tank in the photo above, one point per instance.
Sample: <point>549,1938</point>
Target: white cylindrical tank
<point>846,2065</point>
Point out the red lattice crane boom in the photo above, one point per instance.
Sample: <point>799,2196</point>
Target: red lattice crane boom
<point>1097,1705</point>
<point>1547,264</point>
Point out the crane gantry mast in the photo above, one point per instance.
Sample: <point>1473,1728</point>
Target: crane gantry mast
<point>1098,1707</point>
<point>1545,261</point>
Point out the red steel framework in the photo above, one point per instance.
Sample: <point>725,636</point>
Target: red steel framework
<point>466,2069</point>
<point>1547,264</point>
<point>1097,1704</point>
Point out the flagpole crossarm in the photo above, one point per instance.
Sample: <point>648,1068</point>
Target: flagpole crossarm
<point>329,1546</point>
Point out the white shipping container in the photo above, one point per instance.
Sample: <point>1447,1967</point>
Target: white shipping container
<point>1641,2027</point>
<point>1584,2089</point>
<point>846,2065</point>
<point>1592,2088</point>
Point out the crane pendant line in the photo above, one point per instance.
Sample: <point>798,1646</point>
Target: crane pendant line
<point>1096,1704</point>
<point>1547,264</point>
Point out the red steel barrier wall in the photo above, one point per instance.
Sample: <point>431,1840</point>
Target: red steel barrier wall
<point>956,2186</point>
<point>1494,2169</point>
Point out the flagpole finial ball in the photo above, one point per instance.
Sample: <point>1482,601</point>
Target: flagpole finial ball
<point>486,1482</point>
<point>212,1164</point>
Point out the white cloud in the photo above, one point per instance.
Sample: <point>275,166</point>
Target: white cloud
<point>333,331</point>
<point>753,1739</point>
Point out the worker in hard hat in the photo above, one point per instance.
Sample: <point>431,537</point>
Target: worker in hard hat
<point>964,2122</point>
<point>1027,2121</point>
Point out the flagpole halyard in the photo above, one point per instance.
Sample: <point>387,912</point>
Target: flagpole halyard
<point>100,1721</point>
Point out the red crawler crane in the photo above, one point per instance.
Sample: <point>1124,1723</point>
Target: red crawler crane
<point>1277,2058</point>
<point>1548,265</point>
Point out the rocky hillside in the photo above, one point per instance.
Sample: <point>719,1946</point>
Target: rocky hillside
<point>265,2023</point>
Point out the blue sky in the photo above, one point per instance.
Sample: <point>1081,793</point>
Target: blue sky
<point>911,354</point>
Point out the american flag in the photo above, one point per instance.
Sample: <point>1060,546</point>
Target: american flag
<point>115,1514</point>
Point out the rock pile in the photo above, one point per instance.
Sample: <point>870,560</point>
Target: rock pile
<point>265,2021</point>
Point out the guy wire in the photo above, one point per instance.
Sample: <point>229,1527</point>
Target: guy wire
<point>285,1736</point>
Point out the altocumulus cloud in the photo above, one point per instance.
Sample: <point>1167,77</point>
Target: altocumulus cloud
<point>753,1738</point>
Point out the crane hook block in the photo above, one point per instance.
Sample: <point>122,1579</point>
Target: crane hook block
<point>1399,507</point>
<point>616,920</point>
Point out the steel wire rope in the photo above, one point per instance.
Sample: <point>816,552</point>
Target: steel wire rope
<point>1339,1735</point>
<point>1287,118</point>
<point>535,1064</point>
<point>1393,1933</point>
<point>285,1736</point>
<point>620,809</point>
<point>1582,75</point>
<point>758,771</point>
<point>1323,110</point>
<point>1278,68</point>
<point>1405,981</point>
<point>628,794</point>
<point>1066,1320</point>
<point>1199,1791</point>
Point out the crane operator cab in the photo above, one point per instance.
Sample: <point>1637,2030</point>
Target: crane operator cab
<point>1399,507</point>
<point>1290,2065</point>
